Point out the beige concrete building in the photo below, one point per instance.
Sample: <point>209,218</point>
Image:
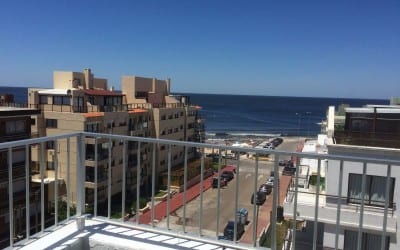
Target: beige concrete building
<point>81,102</point>
<point>173,117</point>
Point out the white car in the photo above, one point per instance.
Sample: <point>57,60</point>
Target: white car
<point>269,146</point>
<point>270,181</point>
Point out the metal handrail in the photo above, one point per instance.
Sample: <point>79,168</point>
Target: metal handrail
<point>79,139</point>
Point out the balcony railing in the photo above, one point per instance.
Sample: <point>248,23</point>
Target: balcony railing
<point>68,192</point>
<point>372,139</point>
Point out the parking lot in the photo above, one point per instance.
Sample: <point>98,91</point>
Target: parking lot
<point>245,178</point>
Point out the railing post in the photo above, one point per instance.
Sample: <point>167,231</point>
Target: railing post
<point>275,201</point>
<point>42,213</point>
<point>27,196</point>
<point>123,180</point>
<point>360,224</point>
<point>10,196</point>
<point>55,162</point>
<point>387,196</point>
<point>68,178</point>
<point>80,175</point>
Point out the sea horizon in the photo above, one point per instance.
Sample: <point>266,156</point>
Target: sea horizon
<point>254,115</point>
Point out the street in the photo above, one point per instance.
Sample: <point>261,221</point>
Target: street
<point>245,177</point>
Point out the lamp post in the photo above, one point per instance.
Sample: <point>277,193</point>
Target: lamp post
<point>298,126</point>
<point>308,113</point>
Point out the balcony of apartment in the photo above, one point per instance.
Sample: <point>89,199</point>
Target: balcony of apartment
<point>372,139</point>
<point>79,108</point>
<point>194,218</point>
<point>328,209</point>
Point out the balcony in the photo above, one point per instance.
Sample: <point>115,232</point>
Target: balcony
<point>187,220</point>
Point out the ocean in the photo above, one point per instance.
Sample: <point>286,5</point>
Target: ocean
<point>254,115</point>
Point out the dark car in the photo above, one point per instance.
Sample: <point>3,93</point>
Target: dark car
<point>267,189</point>
<point>214,182</point>
<point>288,170</point>
<point>229,230</point>
<point>260,198</point>
<point>228,175</point>
<point>286,163</point>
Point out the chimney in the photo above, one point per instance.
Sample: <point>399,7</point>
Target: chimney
<point>87,73</point>
<point>154,85</point>
<point>168,86</point>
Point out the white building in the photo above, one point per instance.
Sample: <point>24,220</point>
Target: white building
<point>345,216</point>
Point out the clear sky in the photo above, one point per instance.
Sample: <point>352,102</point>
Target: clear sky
<point>281,48</point>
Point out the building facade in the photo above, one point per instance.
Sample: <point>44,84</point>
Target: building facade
<point>361,191</point>
<point>15,124</point>
<point>81,102</point>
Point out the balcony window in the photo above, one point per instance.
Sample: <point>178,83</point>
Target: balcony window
<point>43,99</point>
<point>61,100</point>
<point>51,123</point>
<point>375,190</point>
<point>50,165</point>
<point>368,241</point>
<point>50,145</point>
<point>15,127</point>
<point>92,127</point>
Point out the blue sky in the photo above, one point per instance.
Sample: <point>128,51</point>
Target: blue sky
<point>279,48</point>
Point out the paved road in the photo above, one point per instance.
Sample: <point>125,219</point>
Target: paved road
<point>246,177</point>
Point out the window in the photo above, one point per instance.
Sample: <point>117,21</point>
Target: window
<point>51,123</point>
<point>368,241</point>
<point>61,100</point>
<point>50,145</point>
<point>14,127</point>
<point>375,190</point>
<point>50,165</point>
<point>33,121</point>
<point>92,127</point>
<point>162,147</point>
<point>43,99</point>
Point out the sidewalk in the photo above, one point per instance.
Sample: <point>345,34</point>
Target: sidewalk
<point>176,202</point>
<point>264,211</point>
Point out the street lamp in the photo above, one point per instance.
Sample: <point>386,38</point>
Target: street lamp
<point>298,125</point>
<point>308,113</point>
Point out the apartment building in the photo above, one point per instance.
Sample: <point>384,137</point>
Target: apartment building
<point>357,193</point>
<point>81,102</point>
<point>173,117</point>
<point>15,124</point>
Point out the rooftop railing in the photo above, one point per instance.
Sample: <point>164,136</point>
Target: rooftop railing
<point>67,201</point>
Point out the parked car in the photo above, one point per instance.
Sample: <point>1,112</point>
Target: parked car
<point>288,170</point>
<point>260,198</point>
<point>269,146</point>
<point>228,175</point>
<point>267,189</point>
<point>229,230</point>
<point>286,163</point>
<point>270,181</point>
<point>214,183</point>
